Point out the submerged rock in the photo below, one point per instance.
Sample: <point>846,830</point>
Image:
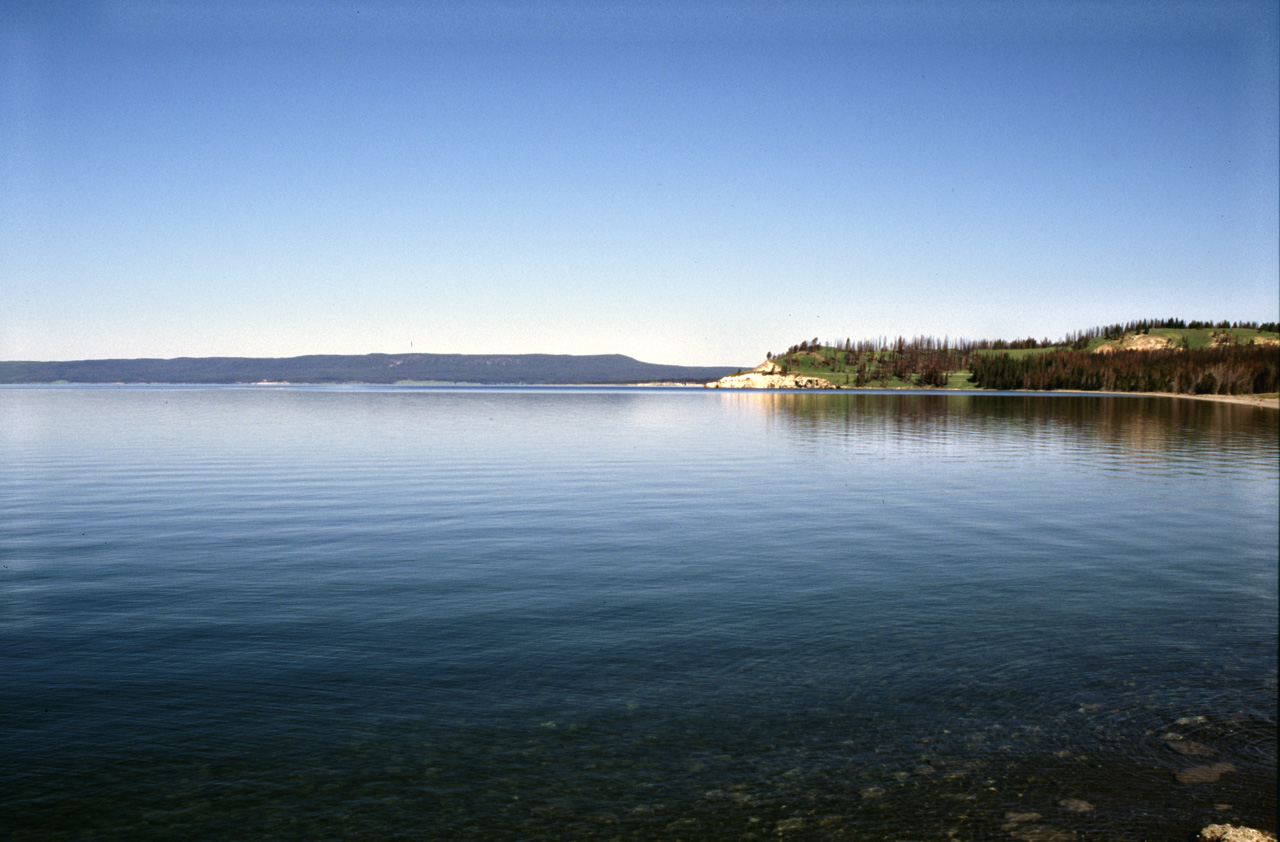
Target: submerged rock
<point>1190,748</point>
<point>1234,833</point>
<point>1076,805</point>
<point>1012,820</point>
<point>1040,833</point>
<point>1021,827</point>
<point>1204,774</point>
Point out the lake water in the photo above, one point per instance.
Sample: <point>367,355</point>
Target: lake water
<point>528,614</point>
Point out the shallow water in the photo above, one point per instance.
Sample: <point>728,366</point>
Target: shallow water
<point>492,614</point>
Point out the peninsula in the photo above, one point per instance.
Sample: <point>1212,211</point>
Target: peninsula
<point>1158,356</point>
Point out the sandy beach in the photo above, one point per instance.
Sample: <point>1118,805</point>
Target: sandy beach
<point>1268,401</point>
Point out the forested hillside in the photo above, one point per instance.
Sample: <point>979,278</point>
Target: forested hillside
<point>1224,370</point>
<point>1169,355</point>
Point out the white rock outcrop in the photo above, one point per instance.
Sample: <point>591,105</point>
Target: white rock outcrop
<point>1136,342</point>
<point>1234,833</point>
<point>768,375</point>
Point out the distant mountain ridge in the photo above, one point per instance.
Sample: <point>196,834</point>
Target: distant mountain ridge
<point>365,368</point>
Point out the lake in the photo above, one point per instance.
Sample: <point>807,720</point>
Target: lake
<point>578,613</point>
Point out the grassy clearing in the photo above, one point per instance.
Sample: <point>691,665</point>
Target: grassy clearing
<point>1192,338</point>
<point>961,380</point>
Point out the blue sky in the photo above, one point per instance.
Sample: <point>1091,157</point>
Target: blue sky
<point>681,182</point>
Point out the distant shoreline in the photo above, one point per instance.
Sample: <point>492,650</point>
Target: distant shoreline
<point>1264,401</point>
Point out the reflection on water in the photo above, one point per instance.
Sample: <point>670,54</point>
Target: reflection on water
<point>1156,425</point>
<point>548,614</point>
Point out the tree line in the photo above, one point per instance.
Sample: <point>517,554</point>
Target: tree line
<point>1222,370</point>
<point>1075,339</point>
<point>1080,339</point>
<point>927,359</point>
<point>899,345</point>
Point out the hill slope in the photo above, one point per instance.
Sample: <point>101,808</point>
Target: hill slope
<point>1187,359</point>
<point>368,368</point>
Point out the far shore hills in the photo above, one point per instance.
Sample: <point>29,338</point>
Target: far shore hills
<point>1236,362</point>
<point>479,369</point>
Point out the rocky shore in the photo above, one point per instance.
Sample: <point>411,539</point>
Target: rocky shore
<point>768,375</point>
<point>1233,833</point>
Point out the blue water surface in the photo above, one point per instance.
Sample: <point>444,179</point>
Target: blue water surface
<point>554,613</point>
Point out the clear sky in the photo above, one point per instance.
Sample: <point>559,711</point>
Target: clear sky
<point>693,182</point>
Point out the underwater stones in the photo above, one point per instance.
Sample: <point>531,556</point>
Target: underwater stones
<point>552,811</point>
<point>731,794</point>
<point>1038,833</point>
<point>1076,805</point>
<point>1020,826</point>
<point>1189,748</point>
<point>785,825</point>
<point>873,792</point>
<point>1234,833</point>
<point>1204,774</point>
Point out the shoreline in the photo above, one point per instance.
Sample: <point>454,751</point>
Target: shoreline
<point>1264,401</point>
